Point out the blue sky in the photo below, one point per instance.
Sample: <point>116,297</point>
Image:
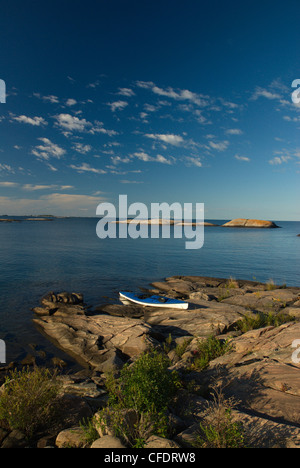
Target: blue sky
<point>165,101</point>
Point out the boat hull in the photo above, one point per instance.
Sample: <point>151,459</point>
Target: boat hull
<point>153,301</point>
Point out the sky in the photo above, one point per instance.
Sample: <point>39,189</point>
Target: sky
<point>164,101</point>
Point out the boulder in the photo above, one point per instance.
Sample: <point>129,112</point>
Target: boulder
<point>15,439</point>
<point>120,310</point>
<point>72,411</point>
<point>71,438</point>
<point>157,442</point>
<point>108,442</point>
<point>63,297</point>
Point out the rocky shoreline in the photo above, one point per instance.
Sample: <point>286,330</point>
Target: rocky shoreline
<point>261,371</point>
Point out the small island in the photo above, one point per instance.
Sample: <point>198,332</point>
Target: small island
<point>9,220</point>
<point>251,223</point>
<point>171,222</point>
<point>39,219</point>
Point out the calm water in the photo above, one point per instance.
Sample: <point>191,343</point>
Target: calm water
<point>66,255</point>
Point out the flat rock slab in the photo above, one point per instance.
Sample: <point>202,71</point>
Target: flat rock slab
<point>94,339</point>
<point>206,320</point>
<point>261,373</point>
<point>264,300</point>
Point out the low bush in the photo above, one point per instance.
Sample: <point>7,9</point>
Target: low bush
<point>219,430</point>
<point>28,400</point>
<point>145,387</point>
<point>209,349</point>
<point>261,320</point>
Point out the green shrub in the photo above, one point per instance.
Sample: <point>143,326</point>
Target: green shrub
<point>219,430</point>
<point>132,427</point>
<point>270,285</point>
<point>261,320</point>
<point>209,349</point>
<point>146,384</point>
<point>232,283</point>
<point>181,348</point>
<point>89,431</point>
<point>28,399</point>
<point>222,434</point>
<point>146,387</point>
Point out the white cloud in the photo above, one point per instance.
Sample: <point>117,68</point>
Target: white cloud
<point>87,168</point>
<point>150,108</point>
<point>35,121</point>
<point>81,148</point>
<point>71,123</point>
<point>71,102</point>
<point>98,128</point>
<point>34,187</point>
<point>291,119</point>
<point>47,150</point>
<point>260,92</point>
<point>118,159</point>
<point>117,105</point>
<point>131,182</point>
<point>221,146</point>
<point>6,168</point>
<point>171,139</point>
<point>8,184</point>
<point>234,131</point>
<point>142,156</point>
<point>179,94</point>
<point>54,203</point>
<point>193,161</point>
<point>242,158</point>
<point>145,84</point>
<point>230,105</point>
<point>94,84</point>
<point>52,99</point>
<point>161,159</point>
<point>126,92</point>
<point>52,168</point>
<point>279,160</point>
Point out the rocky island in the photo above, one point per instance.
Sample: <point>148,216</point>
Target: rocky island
<point>161,222</point>
<point>251,223</point>
<point>9,220</point>
<point>258,322</point>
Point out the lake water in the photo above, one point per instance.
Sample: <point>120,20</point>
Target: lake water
<point>66,255</point>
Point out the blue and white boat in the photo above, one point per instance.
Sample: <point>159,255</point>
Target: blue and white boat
<point>152,301</point>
